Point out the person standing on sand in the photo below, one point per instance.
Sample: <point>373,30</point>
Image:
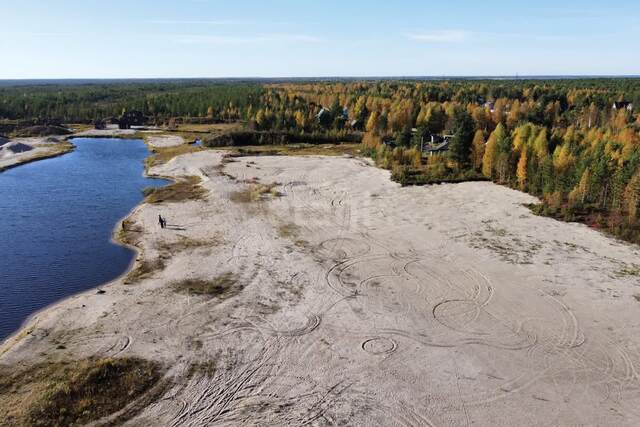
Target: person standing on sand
<point>161,221</point>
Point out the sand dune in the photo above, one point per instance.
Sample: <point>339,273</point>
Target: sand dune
<point>341,298</point>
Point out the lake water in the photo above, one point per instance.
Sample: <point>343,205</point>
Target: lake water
<point>56,220</point>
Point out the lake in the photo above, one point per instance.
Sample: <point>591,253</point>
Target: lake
<point>56,221</point>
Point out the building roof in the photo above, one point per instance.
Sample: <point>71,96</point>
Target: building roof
<point>322,112</point>
<point>443,146</point>
<point>622,104</point>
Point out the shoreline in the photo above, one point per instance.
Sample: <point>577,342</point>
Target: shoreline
<point>60,149</point>
<point>344,269</point>
<point>24,327</point>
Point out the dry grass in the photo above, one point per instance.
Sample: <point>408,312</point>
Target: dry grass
<point>223,287</point>
<point>163,155</point>
<point>207,369</point>
<point>73,393</point>
<point>299,150</point>
<point>11,342</point>
<point>292,231</point>
<point>186,243</point>
<point>255,193</point>
<point>288,230</point>
<point>80,127</point>
<point>144,270</point>
<point>187,188</point>
<point>215,127</point>
<point>631,270</point>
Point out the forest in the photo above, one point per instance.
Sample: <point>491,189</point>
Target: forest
<point>574,143</point>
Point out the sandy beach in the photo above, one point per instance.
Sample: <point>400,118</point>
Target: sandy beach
<point>334,296</point>
<point>17,151</point>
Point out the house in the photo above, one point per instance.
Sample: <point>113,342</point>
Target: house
<point>389,143</point>
<point>435,149</point>
<point>131,118</point>
<point>619,105</point>
<point>489,106</point>
<point>439,144</point>
<point>323,111</point>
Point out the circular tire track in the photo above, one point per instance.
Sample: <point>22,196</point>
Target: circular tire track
<point>379,346</point>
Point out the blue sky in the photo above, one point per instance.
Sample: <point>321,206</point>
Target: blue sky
<point>284,38</point>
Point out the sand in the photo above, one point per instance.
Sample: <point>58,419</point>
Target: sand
<point>356,302</point>
<point>164,141</point>
<point>17,151</point>
<point>109,131</point>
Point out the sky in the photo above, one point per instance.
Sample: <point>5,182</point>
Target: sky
<point>301,38</point>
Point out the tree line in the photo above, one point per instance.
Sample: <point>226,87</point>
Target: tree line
<point>575,143</point>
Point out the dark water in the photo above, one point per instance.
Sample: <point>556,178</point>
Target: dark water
<point>56,221</point>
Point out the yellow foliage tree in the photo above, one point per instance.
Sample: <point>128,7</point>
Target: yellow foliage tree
<point>491,149</point>
<point>521,172</point>
<point>632,197</point>
<point>301,120</point>
<point>541,146</point>
<point>371,140</point>
<point>514,114</point>
<point>584,185</point>
<point>477,149</point>
<point>521,137</point>
<point>562,158</point>
<point>372,123</point>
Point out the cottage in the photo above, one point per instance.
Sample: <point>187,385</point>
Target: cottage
<point>435,149</point>
<point>490,106</point>
<point>323,111</point>
<point>620,105</point>
<point>389,143</point>
<point>131,118</point>
<point>439,144</point>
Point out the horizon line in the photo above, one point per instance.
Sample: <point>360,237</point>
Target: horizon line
<point>338,77</point>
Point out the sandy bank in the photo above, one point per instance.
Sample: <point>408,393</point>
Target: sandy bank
<point>337,297</point>
<point>110,131</point>
<point>164,141</point>
<point>18,151</point>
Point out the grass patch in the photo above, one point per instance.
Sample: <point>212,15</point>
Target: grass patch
<point>210,128</point>
<point>255,193</point>
<point>632,270</point>
<point>186,243</point>
<point>188,188</point>
<point>72,393</point>
<point>346,149</point>
<point>144,270</point>
<point>163,155</point>
<point>207,369</point>
<point>288,230</point>
<point>223,287</point>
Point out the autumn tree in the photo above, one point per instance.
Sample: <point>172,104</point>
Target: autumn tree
<point>489,159</point>
<point>461,143</point>
<point>521,172</point>
<point>478,146</point>
<point>632,198</point>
